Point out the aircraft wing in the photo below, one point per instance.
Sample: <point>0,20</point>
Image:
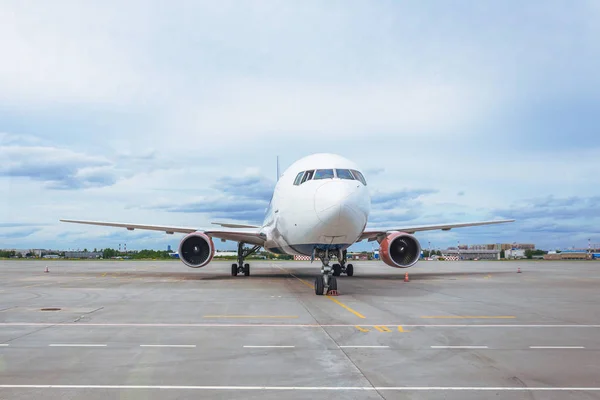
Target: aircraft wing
<point>246,235</point>
<point>374,234</point>
<point>228,225</point>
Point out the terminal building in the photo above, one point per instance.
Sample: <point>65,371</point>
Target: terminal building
<point>572,255</point>
<point>83,254</point>
<point>503,246</point>
<point>470,254</point>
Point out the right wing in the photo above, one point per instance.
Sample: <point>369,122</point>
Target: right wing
<point>246,236</point>
<point>374,234</point>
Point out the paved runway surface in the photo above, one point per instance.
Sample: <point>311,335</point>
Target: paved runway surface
<point>457,330</point>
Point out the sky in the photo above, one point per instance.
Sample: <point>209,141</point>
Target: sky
<point>174,113</point>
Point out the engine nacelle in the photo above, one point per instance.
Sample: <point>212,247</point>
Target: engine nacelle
<point>400,250</point>
<point>196,250</point>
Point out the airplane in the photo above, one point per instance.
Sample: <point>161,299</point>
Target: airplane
<point>320,207</point>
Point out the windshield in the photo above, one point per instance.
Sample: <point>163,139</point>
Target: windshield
<point>344,174</point>
<point>324,174</point>
<point>359,176</point>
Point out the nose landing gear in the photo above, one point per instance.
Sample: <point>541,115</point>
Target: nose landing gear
<point>325,283</point>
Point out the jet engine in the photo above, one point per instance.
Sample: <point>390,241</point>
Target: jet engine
<point>196,250</point>
<point>400,250</point>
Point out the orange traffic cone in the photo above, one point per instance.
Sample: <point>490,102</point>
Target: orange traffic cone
<point>46,270</point>
<point>406,277</point>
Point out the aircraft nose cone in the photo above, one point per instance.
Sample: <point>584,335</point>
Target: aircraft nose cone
<point>335,206</point>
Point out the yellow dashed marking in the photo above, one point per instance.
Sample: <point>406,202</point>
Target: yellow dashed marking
<point>360,328</point>
<point>382,328</point>
<point>401,329</point>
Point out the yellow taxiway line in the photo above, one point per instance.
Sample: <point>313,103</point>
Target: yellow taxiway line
<point>336,301</point>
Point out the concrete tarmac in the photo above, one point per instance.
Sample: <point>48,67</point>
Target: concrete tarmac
<point>160,330</point>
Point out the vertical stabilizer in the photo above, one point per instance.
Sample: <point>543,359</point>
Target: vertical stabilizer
<point>278,174</point>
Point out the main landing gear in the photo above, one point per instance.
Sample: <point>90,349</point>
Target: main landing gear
<point>240,267</point>
<point>342,268</point>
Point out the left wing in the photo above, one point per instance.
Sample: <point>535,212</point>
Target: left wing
<point>374,234</point>
<point>247,236</point>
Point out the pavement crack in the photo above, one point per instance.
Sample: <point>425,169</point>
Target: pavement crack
<point>86,314</point>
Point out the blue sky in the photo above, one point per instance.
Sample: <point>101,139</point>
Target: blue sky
<point>174,113</point>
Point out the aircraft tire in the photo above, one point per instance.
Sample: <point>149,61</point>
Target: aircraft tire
<point>332,283</point>
<point>246,269</point>
<point>337,269</point>
<point>319,285</point>
<point>349,269</point>
<point>233,269</point>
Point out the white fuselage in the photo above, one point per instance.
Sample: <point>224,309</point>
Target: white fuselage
<point>323,212</point>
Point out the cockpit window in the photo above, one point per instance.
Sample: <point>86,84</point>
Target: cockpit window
<point>359,176</point>
<point>348,174</point>
<point>324,174</point>
<point>344,174</point>
<point>308,175</point>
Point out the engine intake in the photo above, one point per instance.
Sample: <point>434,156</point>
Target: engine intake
<point>196,250</point>
<point>400,250</point>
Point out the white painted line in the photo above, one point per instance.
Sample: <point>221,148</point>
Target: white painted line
<point>4,345</point>
<point>365,347</point>
<point>75,345</point>
<point>168,345</point>
<point>556,347</point>
<point>259,325</point>
<point>277,347</point>
<point>315,388</point>
<point>459,347</point>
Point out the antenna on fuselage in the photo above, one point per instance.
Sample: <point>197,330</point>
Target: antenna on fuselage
<point>278,168</point>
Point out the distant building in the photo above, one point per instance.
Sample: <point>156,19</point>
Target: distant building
<point>503,246</point>
<point>569,255</point>
<point>516,253</point>
<point>358,256</point>
<point>34,252</point>
<point>575,255</point>
<point>469,254</point>
<point>83,254</point>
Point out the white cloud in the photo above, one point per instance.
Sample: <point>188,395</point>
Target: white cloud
<point>58,168</point>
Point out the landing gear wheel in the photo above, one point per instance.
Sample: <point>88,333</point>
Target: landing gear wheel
<point>246,269</point>
<point>337,270</point>
<point>319,285</point>
<point>349,269</point>
<point>234,269</point>
<point>332,283</point>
